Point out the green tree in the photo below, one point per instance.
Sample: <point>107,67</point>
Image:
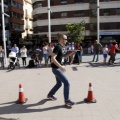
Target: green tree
<point>76,31</point>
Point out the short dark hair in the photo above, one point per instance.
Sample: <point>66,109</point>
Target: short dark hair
<point>62,36</point>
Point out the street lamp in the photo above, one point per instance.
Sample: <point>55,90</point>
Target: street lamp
<point>3,28</point>
<point>49,22</point>
<point>98,20</point>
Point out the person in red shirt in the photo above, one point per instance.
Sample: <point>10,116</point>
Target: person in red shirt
<point>112,52</point>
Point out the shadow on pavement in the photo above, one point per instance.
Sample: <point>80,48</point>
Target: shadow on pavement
<point>8,118</point>
<point>101,65</point>
<point>22,108</point>
<point>81,102</point>
<point>74,69</point>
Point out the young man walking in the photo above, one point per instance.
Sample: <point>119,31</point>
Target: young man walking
<point>58,70</point>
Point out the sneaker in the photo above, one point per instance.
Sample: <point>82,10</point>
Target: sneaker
<point>69,103</point>
<point>51,97</point>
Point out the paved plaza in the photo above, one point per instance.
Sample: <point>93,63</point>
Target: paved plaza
<point>38,81</point>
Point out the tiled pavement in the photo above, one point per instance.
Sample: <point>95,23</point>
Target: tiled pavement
<point>37,82</point>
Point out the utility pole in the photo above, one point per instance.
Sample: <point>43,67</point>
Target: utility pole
<point>3,29</point>
<point>49,21</point>
<point>98,20</point>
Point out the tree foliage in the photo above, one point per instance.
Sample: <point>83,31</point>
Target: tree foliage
<point>76,31</point>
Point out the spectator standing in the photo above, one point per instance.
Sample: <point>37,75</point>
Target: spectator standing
<point>39,55</point>
<point>112,52</point>
<point>92,49</point>
<point>79,52</point>
<point>89,48</point>
<point>23,52</point>
<point>15,49</point>
<point>97,48</point>
<point>45,53</point>
<point>2,55</point>
<point>105,53</point>
<point>50,51</point>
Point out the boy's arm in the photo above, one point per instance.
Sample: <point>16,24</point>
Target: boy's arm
<point>53,58</point>
<point>69,54</point>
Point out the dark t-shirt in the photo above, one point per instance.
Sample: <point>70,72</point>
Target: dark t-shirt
<point>58,50</point>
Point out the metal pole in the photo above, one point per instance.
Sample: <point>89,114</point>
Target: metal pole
<point>49,22</point>
<point>3,30</point>
<point>98,20</point>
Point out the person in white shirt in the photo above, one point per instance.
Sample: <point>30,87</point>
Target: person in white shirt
<point>105,53</point>
<point>45,53</point>
<point>23,52</point>
<point>50,51</point>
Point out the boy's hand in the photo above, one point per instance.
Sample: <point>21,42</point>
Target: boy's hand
<point>63,68</point>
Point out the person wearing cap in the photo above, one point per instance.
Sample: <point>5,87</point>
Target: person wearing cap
<point>58,70</point>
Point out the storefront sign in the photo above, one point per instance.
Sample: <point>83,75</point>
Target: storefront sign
<point>110,33</point>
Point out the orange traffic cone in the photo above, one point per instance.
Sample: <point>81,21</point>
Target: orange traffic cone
<point>21,98</point>
<point>90,98</point>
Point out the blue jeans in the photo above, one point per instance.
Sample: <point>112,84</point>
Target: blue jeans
<point>45,57</point>
<point>79,55</point>
<point>97,56</point>
<point>60,78</point>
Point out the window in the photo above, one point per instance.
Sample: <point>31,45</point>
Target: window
<point>37,4</point>
<point>52,15</point>
<point>17,26</point>
<point>63,2</point>
<point>14,14</point>
<point>106,12</point>
<point>118,11</point>
<point>39,16</point>
<point>20,6</point>
<point>92,1</point>
<point>106,0</point>
<point>52,2</point>
<point>6,2</point>
<point>78,13</point>
<point>64,14</point>
<point>118,25</point>
<point>106,26</point>
<point>14,4</point>
<point>78,1</point>
<point>93,12</point>
<point>20,16</point>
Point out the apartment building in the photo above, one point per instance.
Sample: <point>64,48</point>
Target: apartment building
<point>7,27</point>
<point>74,11</point>
<point>13,24</point>
<point>16,20</point>
<point>28,20</point>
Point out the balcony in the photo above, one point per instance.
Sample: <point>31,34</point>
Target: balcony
<point>70,7</point>
<point>16,20</point>
<point>61,21</point>
<point>27,16</point>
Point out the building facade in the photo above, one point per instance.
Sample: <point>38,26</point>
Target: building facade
<point>13,24</point>
<point>7,27</point>
<point>28,20</point>
<point>75,11</point>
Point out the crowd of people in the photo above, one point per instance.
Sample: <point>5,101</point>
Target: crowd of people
<point>111,49</point>
<point>38,53</point>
